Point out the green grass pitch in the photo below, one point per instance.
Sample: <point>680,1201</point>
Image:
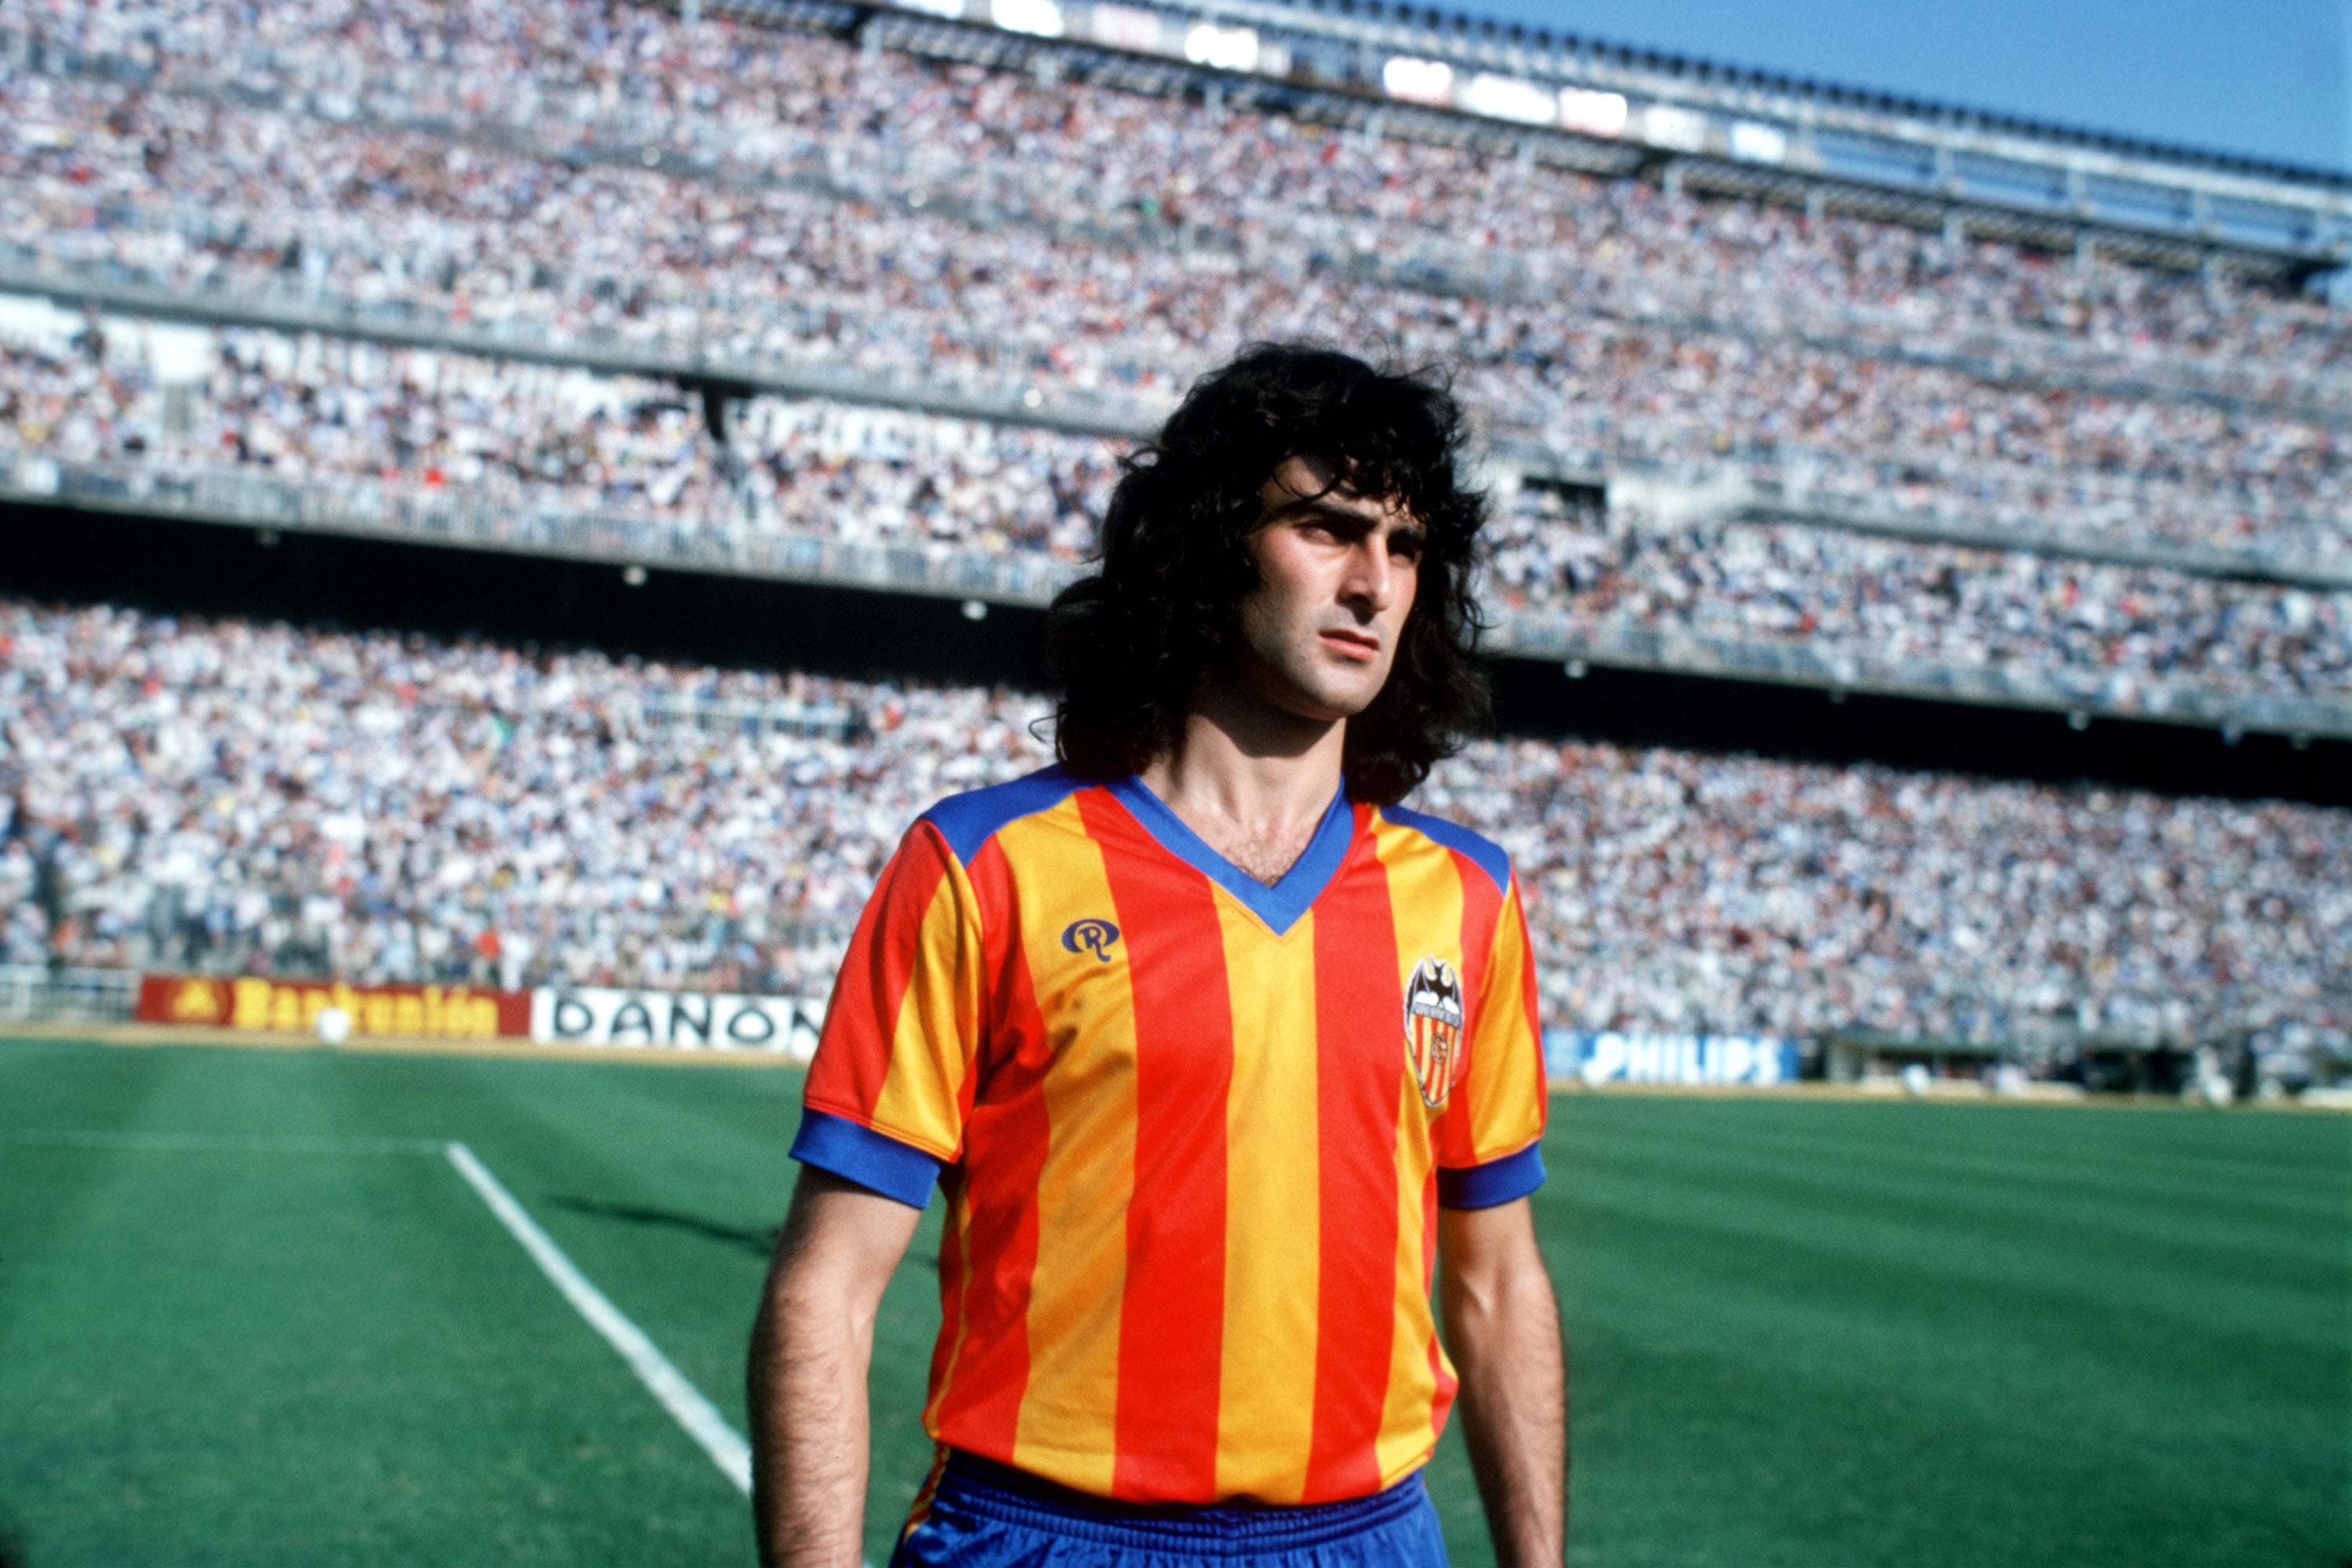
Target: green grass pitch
<point>1805,1333</point>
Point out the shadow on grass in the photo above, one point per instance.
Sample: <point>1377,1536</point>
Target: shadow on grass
<point>759,1243</point>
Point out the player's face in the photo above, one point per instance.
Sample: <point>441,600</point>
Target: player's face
<point>1337,572</point>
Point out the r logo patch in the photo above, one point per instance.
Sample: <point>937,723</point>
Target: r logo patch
<point>1093,936</point>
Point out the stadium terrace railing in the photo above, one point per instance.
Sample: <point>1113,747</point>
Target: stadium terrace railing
<point>432,516</point>
<point>940,179</point>
<point>370,509</point>
<point>752,717</point>
<point>1760,486</point>
<point>2078,694</point>
<point>35,994</point>
<point>1769,497</point>
<point>606,350</point>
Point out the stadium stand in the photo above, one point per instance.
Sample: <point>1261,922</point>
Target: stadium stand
<point>237,797</point>
<point>871,299</point>
<point>563,440</point>
<point>531,245</point>
<point>761,98</point>
<point>491,235</point>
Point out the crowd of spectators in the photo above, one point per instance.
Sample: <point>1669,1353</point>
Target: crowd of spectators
<point>546,437</point>
<point>236,797</point>
<point>254,799</point>
<point>197,192</point>
<point>1901,600</point>
<point>759,98</point>
<point>551,437</point>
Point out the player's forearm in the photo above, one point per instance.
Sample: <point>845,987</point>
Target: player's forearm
<point>1503,1329</point>
<point>809,1358</point>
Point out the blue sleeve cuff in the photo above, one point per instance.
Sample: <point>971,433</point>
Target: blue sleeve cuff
<point>1493,1183</point>
<point>879,1163</point>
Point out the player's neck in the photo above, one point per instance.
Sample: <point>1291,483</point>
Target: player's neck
<point>1254,783</point>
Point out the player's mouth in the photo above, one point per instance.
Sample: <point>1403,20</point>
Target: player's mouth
<point>1358,646</point>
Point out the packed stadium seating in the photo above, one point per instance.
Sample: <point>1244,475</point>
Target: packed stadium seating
<point>574,265</point>
<point>764,98</point>
<point>564,438</point>
<point>191,191</point>
<point>231,796</point>
<point>605,178</point>
<point>515,430</point>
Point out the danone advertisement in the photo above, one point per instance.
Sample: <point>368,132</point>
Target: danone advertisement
<point>1609,1056</point>
<point>674,1021</point>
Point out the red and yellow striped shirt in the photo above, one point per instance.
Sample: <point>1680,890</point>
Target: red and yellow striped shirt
<point>1193,1131</point>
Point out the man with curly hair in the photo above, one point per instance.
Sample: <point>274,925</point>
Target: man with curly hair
<point>1217,1053</point>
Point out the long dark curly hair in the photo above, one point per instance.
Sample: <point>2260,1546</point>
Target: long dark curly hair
<point>1130,644</point>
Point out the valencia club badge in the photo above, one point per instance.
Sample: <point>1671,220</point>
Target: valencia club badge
<point>1433,1028</point>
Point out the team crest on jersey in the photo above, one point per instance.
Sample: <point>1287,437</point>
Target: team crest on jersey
<point>1094,936</point>
<point>1433,1028</point>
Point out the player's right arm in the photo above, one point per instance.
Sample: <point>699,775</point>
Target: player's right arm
<point>811,1346</point>
<point>883,1113</point>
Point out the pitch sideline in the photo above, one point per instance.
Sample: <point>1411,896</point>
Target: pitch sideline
<point>685,1404</point>
<point>687,1407</point>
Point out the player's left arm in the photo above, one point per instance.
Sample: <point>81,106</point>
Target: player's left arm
<point>1502,1330</point>
<point>1501,1320</point>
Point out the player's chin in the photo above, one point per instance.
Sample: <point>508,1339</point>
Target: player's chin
<point>1344,694</point>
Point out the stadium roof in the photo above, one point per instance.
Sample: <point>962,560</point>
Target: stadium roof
<point>1705,70</point>
<point>1623,109</point>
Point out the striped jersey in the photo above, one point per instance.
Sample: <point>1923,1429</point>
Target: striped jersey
<point>1192,1130</point>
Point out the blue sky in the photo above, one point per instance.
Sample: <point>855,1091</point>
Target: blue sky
<point>2264,77</point>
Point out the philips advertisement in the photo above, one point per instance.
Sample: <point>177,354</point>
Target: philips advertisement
<point>1749,1061</point>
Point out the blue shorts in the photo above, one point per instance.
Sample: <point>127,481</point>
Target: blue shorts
<point>986,1515</point>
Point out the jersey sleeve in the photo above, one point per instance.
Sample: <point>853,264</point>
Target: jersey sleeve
<point>891,1083</point>
<point>1491,1149</point>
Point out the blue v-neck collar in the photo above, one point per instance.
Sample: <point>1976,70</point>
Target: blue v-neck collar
<point>1278,906</point>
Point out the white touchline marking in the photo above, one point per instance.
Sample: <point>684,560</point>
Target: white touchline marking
<point>224,1142</point>
<point>681,1398</point>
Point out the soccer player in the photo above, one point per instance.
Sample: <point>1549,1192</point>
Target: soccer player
<point>1209,1046</point>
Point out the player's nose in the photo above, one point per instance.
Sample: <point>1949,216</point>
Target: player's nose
<point>1372,573</point>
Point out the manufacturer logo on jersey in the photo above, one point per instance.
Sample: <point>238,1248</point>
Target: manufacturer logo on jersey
<point>1433,1028</point>
<point>1090,936</point>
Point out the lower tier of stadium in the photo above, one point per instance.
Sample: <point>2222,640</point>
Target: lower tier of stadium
<point>233,795</point>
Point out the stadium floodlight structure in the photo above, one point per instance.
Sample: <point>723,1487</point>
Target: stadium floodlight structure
<point>1446,75</point>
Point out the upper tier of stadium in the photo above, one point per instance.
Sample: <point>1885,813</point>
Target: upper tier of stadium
<point>749,110</point>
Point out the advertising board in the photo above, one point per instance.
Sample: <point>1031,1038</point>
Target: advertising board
<point>674,1021</point>
<point>293,1007</point>
<point>1754,1061</point>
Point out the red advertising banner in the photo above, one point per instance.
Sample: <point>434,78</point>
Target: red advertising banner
<point>293,1007</point>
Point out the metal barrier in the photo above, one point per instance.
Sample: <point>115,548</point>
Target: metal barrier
<point>35,994</point>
